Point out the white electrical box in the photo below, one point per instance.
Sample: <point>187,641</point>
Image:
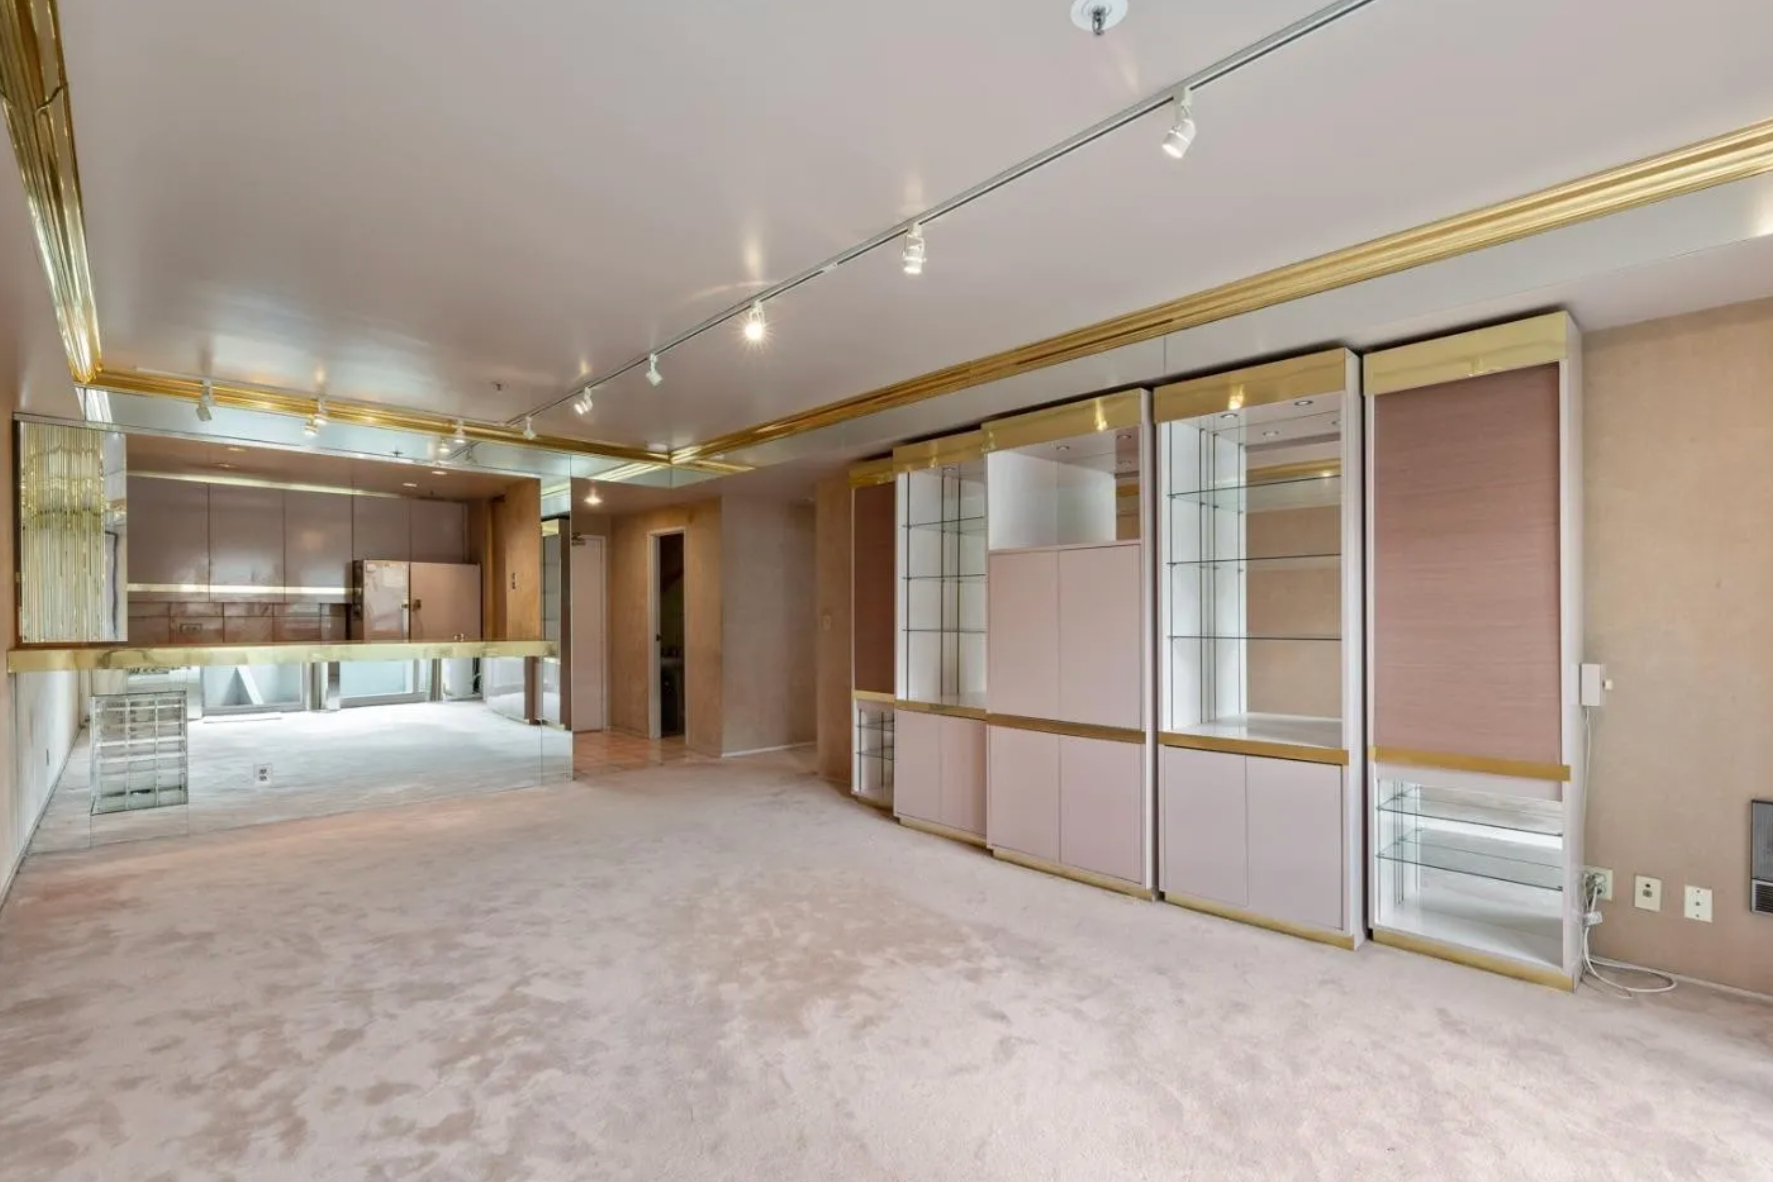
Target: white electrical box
<point>1591,685</point>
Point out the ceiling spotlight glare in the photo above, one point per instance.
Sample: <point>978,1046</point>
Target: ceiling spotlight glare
<point>652,369</point>
<point>914,250</point>
<point>591,498</point>
<point>529,426</point>
<point>1181,132</point>
<point>755,328</point>
<point>320,410</point>
<point>461,431</point>
<point>582,405</point>
<point>206,403</point>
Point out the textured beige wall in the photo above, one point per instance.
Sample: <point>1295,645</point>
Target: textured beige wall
<point>831,509</point>
<point>767,621</point>
<point>1679,547</point>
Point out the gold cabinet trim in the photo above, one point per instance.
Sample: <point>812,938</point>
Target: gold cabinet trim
<point>1059,870</point>
<point>873,696</point>
<point>1541,340</point>
<point>871,472</point>
<point>1258,747</point>
<point>1257,919</point>
<point>1070,730</point>
<point>947,709</point>
<point>1310,376</point>
<point>56,659</point>
<point>1110,412</point>
<point>1519,769</point>
<point>938,453</point>
<point>1476,960</point>
<point>234,589</point>
<point>1280,473</point>
<point>939,830</point>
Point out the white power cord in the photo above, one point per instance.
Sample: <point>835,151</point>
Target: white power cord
<point>1591,900</point>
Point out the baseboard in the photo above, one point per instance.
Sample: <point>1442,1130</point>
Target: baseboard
<point>1104,882</point>
<point>1257,920</point>
<point>939,830</point>
<point>37,822</point>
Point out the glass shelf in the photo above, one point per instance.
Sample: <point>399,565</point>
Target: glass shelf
<point>953,525</point>
<point>1328,637</point>
<point>944,578</point>
<point>1498,858</point>
<point>1270,562</point>
<point>1544,818</point>
<point>1299,493</point>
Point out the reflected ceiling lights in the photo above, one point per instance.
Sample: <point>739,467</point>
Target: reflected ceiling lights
<point>755,328</point>
<point>320,410</point>
<point>914,250</point>
<point>1181,132</point>
<point>529,426</point>
<point>583,404</point>
<point>591,498</point>
<point>461,431</point>
<point>206,404</point>
<point>652,369</point>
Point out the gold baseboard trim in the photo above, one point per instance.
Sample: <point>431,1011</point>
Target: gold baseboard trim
<point>1254,919</point>
<point>1070,730</point>
<point>937,830</point>
<point>1266,750</point>
<point>1518,769</point>
<point>1107,882</point>
<point>1500,965</point>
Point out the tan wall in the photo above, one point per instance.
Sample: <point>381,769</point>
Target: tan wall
<point>1294,677</point>
<point>832,528</point>
<point>767,602</point>
<point>1679,549</point>
<point>630,635</point>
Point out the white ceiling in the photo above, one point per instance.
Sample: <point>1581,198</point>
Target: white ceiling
<point>415,199</point>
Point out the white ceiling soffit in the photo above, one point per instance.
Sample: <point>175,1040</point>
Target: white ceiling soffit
<point>417,198</point>
<point>1698,251</point>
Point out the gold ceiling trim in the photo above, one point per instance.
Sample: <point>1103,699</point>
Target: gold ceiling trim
<point>871,472</point>
<point>1733,156</point>
<point>33,81</point>
<point>1522,344</point>
<point>1311,376</point>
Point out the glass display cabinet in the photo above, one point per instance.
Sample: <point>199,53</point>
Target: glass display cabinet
<point>1260,644</point>
<point>1474,514</point>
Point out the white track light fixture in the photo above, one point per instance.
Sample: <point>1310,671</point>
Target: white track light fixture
<point>206,403</point>
<point>652,369</point>
<point>913,256</point>
<point>582,404</point>
<point>1181,132</point>
<point>461,431</point>
<point>755,327</point>
<point>529,426</point>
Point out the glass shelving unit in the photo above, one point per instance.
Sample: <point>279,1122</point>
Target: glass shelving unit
<point>872,780</point>
<point>942,584</point>
<point>1484,870</point>
<point>140,754</point>
<point>1253,573</point>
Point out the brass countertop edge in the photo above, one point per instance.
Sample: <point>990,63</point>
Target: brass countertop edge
<point>1070,730</point>
<point>1266,748</point>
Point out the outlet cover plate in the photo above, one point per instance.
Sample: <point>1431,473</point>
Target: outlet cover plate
<point>1697,904</point>
<point>261,773</point>
<point>1646,893</point>
<point>1606,877</point>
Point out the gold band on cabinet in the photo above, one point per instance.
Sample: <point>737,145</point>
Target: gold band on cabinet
<point>1088,877</point>
<point>939,453</point>
<point>948,709</point>
<point>872,472</point>
<point>1256,919</point>
<point>56,658</point>
<point>1523,344</point>
<point>1310,376</point>
<point>1476,960</point>
<point>873,696</point>
<point>1268,750</point>
<point>1281,473</point>
<point>1087,416</point>
<point>938,830</point>
<point>209,589</point>
<point>1072,730</point>
<point>1518,769</point>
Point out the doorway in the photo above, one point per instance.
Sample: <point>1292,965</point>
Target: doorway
<point>669,702</point>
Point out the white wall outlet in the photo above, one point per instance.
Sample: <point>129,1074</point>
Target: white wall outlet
<point>1646,893</point>
<point>1697,904</point>
<point>261,773</point>
<point>1606,877</point>
<point>1591,685</point>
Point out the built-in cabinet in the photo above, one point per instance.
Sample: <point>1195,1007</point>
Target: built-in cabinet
<point>874,636</point>
<point>940,761</point>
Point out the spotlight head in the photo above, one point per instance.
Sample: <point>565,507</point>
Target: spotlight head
<point>582,404</point>
<point>755,328</point>
<point>1181,132</point>
<point>652,369</point>
<point>529,426</point>
<point>913,256</point>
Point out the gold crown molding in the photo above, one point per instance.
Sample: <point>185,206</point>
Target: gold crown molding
<point>1522,344</point>
<point>33,83</point>
<point>1733,156</point>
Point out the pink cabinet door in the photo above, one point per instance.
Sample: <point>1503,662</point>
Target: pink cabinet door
<point>963,774</point>
<point>917,765</point>
<point>1100,640</point>
<point>1022,812</point>
<point>1296,842</point>
<point>1022,657</point>
<point>1102,807</point>
<point>1202,819</point>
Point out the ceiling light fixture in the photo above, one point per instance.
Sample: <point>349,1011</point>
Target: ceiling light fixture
<point>755,327</point>
<point>529,426</point>
<point>409,484</point>
<point>461,431</point>
<point>310,428</point>
<point>915,250</point>
<point>320,410</point>
<point>591,498</point>
<point>206,403</point>
<point>1230,414</point>
<point>652,369</point>
<point>1270,434</point>
<point>583,405</point>
<point>1302,402</point>
<point>1181,133</point>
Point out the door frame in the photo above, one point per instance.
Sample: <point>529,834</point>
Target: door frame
<point>654,713</point>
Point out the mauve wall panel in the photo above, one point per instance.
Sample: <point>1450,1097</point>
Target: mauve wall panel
<point>917,765</point>
<point>1022,812</point>
<point>1102,807</point>
<point>872,575</point>
<point>963,774</point>
<point>1022,656</point>
<point>317,542</point>
<point>1100,637</point>
<point>246,537</point>
<point>1465,567</point>
<point>381,528</point>
<point>439,531</point>
<point>168,532</point>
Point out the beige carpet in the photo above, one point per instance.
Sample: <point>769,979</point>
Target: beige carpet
<point>731,972</point>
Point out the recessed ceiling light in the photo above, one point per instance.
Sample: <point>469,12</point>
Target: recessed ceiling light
<point>1270,434</point>
<point>236,449</point>
<point>1061,447</point>
<point>1230,414</point>
<point>409,484</point>
<point>1302,402</point>
<point>438,472</point>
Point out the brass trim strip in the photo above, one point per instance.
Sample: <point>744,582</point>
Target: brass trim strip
<point>976,713</point>
<point>871,472</point>
<point>1072,730</point>
<point>1087,416</point>
<point>1476,960</point>
<point>1540,340</point>
<point>1733,156</point>
<point>873,696</point>
<point>1257,747</point>
<point>938,453</point>
<point>60,658</point>
<point>232,589</point>
<point>931,827</point>
<point>1313,375</point>
<point>1106,882</point>
<point>1256,919</point>
<point>287,486</point>
<point>1519,769</point>
<point>1276,473</point>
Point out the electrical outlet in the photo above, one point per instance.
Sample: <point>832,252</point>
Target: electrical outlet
<point>1606,877</point>
<point>261,773</point>
<point>1646,893</point>
<point>1698,904</point>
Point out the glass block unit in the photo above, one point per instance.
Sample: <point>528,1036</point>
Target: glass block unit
<point>140,755</point>
<point>941,598</point>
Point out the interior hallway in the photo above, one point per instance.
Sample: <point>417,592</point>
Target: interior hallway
<point>693,971</point>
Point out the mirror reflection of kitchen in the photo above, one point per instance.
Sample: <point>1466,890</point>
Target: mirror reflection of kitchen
<point>669,638</point>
